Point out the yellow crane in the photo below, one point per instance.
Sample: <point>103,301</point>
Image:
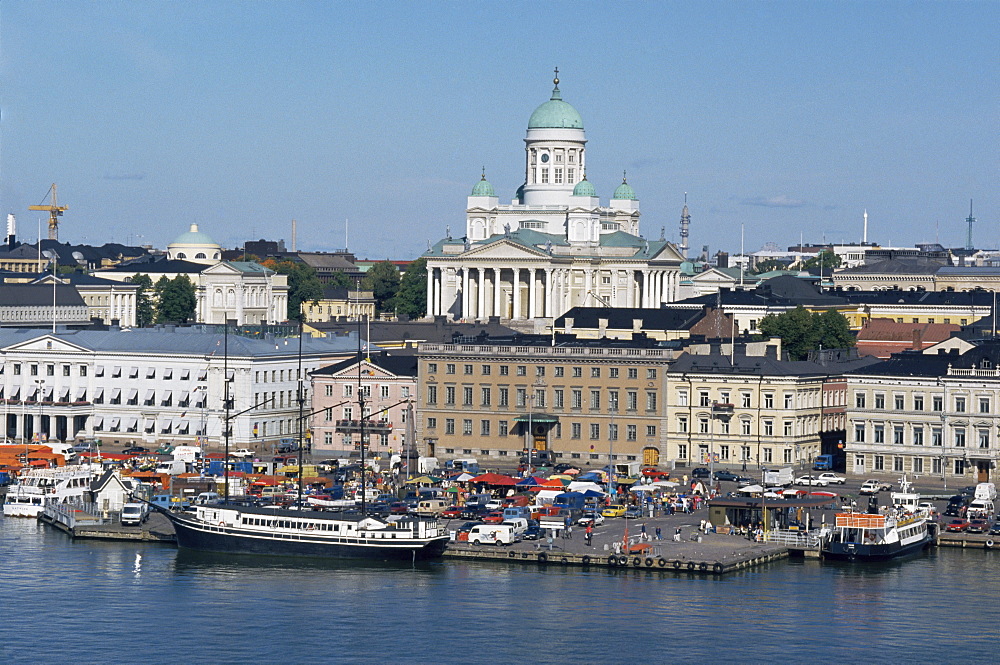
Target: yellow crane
<point>55,212</point>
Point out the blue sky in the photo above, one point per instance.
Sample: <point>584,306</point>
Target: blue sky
<point>789,118</point>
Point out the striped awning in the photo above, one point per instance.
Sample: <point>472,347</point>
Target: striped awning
<point>130,423</point>
<point>81,395</point>
<point>132,393</point>
<point>116,393</point>
<point>96,422</point>
<point>149,395</point>
<point>133,372</point>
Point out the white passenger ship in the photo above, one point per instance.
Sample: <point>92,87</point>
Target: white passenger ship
<point>41,487</point>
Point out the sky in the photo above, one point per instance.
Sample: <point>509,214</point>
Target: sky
<point>369,123</point>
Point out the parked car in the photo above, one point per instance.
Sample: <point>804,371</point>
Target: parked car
<point>614,510</point>
<point>135,450</point>
<point>398,508</point>
<point>956,505</point>
<point>471,513</point>
<point>728,476</point>
<point>957,525</point>
<point>591,517</point>
<point>533,532</point>
<point>874,487</point>
<point>451,512</point>
<point>242,452</point>
<point>832,478</point>
<point>810,480</point>
<point>465,528</point>
<point>493,517</point>
<point>633,512</point>
<point>995,529</point>
<point>701,472</point>
<point>978,526</point>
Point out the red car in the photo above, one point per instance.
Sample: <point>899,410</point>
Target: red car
<point>957,525</point>
<point>978,526</point>
<point>495,517</point>
<point>451,512</point>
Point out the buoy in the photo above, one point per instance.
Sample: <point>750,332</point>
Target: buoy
<point>989,543</point>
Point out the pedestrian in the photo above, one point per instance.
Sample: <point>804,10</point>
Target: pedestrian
<point>589,533</point>
<point>569,532</point>
<point>701,525</point>
<point>659,536</point>
<point>642,531</point>
<point>677,535</point>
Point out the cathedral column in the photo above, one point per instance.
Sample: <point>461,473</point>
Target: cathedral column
<point>532,286</point>
<point>430,291</point>
<point>481,294</point>
<point>496,292</point>
<point>515,283</point>
<point>548,293</point>
<point>643,290</point>
<point>465,293</point>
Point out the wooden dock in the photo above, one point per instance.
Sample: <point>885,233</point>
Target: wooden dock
<point>968,540</point>
<point>79,523</point>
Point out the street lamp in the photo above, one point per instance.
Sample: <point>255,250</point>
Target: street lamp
<point>202,433</point>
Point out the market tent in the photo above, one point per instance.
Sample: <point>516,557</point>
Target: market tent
<point>530,481</point>
<point>593,494</point>
<point>493,479</point>
<point>578,486</point>
<point>664,484</point>
<point>547,496</point>
<point>554,482</point>
<point>423,480</point>
<point>751,489</point>
<point>463,477</point>
<point>592,476</point>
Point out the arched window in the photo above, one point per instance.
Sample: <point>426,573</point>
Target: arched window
<point>200,255</point>
<point>181,255</point>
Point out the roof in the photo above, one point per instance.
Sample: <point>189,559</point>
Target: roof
<point>397,365</point>
<point>249,267</point>
<point>622,318</point>
<point>483,188</point>
<point>883,330</point>
<point>625,191</point>
<point>156,264</point>
<point>555,114</point>
<point>34,295</point>
<point>903,266</point>
<point>744,365</point>
<point>439,330</point>
<point>194,237</point>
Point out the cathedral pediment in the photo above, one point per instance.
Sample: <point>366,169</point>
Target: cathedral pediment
<point>668,252</point>
<point>504,249</point>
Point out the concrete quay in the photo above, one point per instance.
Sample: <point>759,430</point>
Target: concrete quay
<point>79,524</point>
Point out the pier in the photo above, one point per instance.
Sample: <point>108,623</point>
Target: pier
<point>83,521</point>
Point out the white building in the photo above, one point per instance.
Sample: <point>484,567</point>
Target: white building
<point>156,385</point>
<point>554,246</point>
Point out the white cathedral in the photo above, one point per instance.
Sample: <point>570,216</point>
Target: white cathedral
<point>555,246</point>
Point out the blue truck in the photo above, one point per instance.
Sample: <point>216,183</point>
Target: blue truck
<point>823,463</point>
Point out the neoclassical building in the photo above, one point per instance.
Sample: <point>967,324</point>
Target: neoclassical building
<point>554,246</point>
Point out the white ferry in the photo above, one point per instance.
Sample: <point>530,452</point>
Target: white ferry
<point>867,537</point>
<point>41,487</point>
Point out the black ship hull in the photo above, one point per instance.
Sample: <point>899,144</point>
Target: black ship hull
<point>879,552</point>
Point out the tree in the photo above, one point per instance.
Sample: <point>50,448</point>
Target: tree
<point>303,284</point>
<point>176,300</point>
<point>411,299</point>
<point>145,310</point>
<point>767,265</point>
<point>801,331</point>
<point>826,261</point>
<point>382,279</point>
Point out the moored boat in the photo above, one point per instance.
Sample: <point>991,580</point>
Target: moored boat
<point>41,487</point>
<point>874,537</point>
<point>305,533</point>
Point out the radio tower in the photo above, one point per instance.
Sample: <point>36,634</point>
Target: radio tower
<point>685,225</point>
<point>970,220</point>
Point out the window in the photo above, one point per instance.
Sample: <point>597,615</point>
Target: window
<point>486,396</point>
<point>613,432</point>
<point>595,399</point>
<point>449,395</point>
<point>650,374</point>
<point>766,453</point>
<point>936,465</point>
<point>897,464</point>
<point>467,426</point>
<point>50,370</point>
<point>768,400</point>
<point>787,456</point>
<point>504,397</point>
<point>682,397</point>
<point>484,428</point>
<point>545,176</point>
<point>328,391</point>
<point>787,428</point>
<point>960,404</point>
<point>879,463</point>
<point>502,428</point>
<point>560,398</point>
<point>984,438</point>
<point>595,431</point>
<point>918,465</point>
<point>937,403</point>
<point>486,370</point>
<point>34,371</point>
<point>960,437</point>
<point>918,402</point>
<point>467,369</point>
<point>559,372</point>
<point>768,428</point>
<point>65,370</point>
<point>613,373</point>
<point>631,400</point>
<point>575,430</point>
<point>432,423</point>
<point>540,398</point>
<point>859,433</point>
<point>789,400</point>
<point>959,467</point>
<point>633,373</point>
<point>449,425</point>
<point>595,372</point>
<point>504,370</point>
<point>745,400</point>
<point>449,368</point>
<point>83,370</point>
<point>897,435</point>
<point>898,402</point>
<point>349,390</point>
<point>522,370</point>
<point>540,370</point>
<point>612,400</point>
<point>878,434</point>
<point>745,427</point>
<point>984,405</point>
<point>432,394</point>
<point>384,392</point>
<point>650,430</point>
<point>918,435</point>
<point>879,401</point>
<point>631,432</point>
<point>703,398</point>
<point>703,425</point>
<point>467,396</point>
<point>650,401</point>
<point>577,399</point>
<point>936,436</point>
<point>520,396</point>
<point>724,397</point>
<point>577,372</point>
<point>682,424</point>
<point>859,400</point>
<point>682,451</point>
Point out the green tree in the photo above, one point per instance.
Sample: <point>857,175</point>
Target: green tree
<point>145,310</point>
<point>176,300</point>
<point>382,279</point>
<point>767,265</point>
<point>339,279</point>
<point>826,260</point>
<point>801,331</point>
<point>411,299</point>
<point>303,284</point>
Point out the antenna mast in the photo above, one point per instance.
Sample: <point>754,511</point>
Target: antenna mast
<point>970,220</point>
<point>685,226</point>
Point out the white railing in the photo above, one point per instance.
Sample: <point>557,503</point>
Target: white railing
<point>984,373</point>
<point>794,539</point>
<point>540,351</point>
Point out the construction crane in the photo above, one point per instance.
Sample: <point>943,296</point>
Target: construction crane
<point>55,212</point>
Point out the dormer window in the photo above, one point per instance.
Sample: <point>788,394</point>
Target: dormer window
<point>181,255</point>
<point>200,255</point>
<point>986,364</point>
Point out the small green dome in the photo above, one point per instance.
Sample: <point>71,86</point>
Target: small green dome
<point>584,188</point>
<point>555,113</point>
<point>625,191</point>
<point>483,188</point>
<point>193,237</point>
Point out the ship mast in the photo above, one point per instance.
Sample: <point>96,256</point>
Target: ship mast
<point>361,409</point>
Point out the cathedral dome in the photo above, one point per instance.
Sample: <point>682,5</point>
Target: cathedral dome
<point>555,113</point>
<point>483,188</point>
<point>625,191</point>
<point>195,246</point>
<point>584,188</point>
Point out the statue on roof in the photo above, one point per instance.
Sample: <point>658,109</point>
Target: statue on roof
<point>506,229</point>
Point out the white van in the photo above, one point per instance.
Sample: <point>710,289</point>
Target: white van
<point>493,534</point>
<point>134,513</point>
<point>431,507</point>
<point>519,524</point>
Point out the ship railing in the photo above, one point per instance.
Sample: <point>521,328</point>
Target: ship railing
<point>795,539</point>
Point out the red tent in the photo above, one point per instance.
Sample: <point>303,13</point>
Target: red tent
<point>493,479</point>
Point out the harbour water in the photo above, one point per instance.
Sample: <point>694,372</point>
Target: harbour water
<point>81,602</point>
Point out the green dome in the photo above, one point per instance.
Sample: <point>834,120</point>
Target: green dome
<point>625,191</point>
<point>584,188</point>
<point>555,113</point>
<point>483,188</point>
<point>193,237</point>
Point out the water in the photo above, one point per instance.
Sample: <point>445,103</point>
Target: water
<point>81,602</point>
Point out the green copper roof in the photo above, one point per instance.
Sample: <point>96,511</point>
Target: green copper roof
<point>584,188</point>
<point>483,188</point>
<point>193,237</point>
<point>555,113</point>
<point>625,191</point>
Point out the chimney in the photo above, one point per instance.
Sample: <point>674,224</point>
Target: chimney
<point>771,351</point>
<point>602,327</point>
<point>918,339</point>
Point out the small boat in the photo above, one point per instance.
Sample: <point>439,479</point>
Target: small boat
<point>235,529</point>
<point>874,537</point>
<point>41,487</point>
